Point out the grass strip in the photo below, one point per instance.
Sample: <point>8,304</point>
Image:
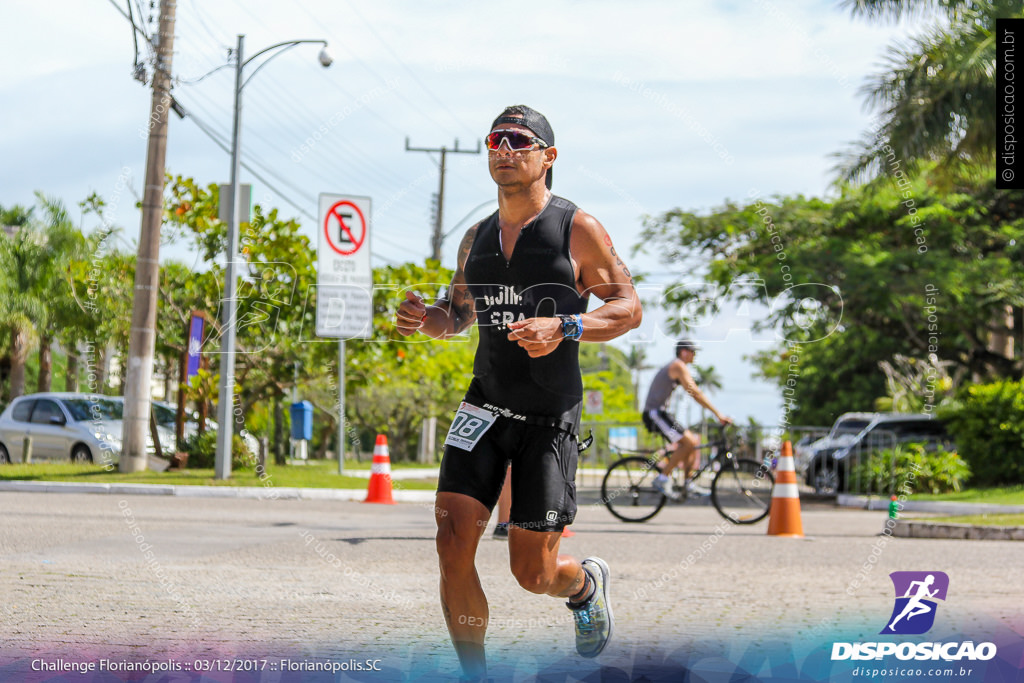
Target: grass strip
<point>315,474</point>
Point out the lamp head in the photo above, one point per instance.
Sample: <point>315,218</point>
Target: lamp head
<point>325,57</point>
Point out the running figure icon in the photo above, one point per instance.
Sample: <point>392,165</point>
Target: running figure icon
<point>916,605</point>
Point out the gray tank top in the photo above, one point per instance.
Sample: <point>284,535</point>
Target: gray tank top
<point>661,390</point>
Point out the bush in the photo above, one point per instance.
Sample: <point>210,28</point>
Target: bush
<point>910,465</point>
<point>987,422</point>
<point>202,451</point>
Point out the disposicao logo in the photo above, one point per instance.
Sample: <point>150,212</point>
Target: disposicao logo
<point>916,595</point>
<point>913,613</point>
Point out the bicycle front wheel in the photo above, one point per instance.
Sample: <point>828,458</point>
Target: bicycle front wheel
<point>628,490</point>
<point>742,491</point>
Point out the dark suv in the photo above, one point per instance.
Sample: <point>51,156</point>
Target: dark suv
<point>857,434</point>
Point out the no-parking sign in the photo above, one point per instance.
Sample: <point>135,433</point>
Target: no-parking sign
<point>344,302</point>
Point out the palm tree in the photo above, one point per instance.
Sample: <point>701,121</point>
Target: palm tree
<point>709,381</point>
<point>14,217</point>
<point>20,306</point>
<point>64,244</point>
<point>636,362</point>
<point>935,95</point>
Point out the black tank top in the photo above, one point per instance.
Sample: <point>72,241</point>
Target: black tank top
<point>536,282</point>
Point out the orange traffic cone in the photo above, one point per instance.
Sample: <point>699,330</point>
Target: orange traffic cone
<point>379,490</point>
<point>784,519</point>
<point>567,533</point>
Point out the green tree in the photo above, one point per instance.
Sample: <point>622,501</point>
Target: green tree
<point>275,320</point>
<point>709,381</point>
<point>606,368</point>
<point>15,216</point>
<point>14,324</point>
<point>915,385</point>
<point>885,268</point>
<point>103,284</point>
<point>61,311</point>
<point>936,90</point>
<point>20,307</point>
<point>987,422</point>
<point>834,375</point>
<point>398,381</point>
<point>636,361</point>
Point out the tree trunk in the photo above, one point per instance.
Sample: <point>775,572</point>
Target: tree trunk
<point>279,458</point>
<point>102,361</point>
<point>329,430</point>
<point>71,372</point>
<point>169,367</point>
<point>1000,341</point>
<point>45,380</point>
<point>19,354</point>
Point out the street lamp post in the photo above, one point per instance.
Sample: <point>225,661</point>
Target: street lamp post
<point>226,399</point>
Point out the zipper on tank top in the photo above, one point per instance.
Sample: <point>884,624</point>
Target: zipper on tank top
<point>501,249</point>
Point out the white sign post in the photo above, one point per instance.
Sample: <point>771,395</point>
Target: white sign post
<point>344,295</point>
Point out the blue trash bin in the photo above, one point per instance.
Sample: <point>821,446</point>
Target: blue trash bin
<point>302,420</point>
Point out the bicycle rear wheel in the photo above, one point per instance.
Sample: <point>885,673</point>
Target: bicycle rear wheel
<point>628,490</point>
<point>742,491</point>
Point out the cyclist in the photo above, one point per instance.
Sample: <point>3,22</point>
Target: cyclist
<point>658,420</point>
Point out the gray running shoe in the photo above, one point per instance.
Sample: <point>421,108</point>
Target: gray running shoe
<point>663,483</point>
<point>593,618</point>
<point>501,531</point>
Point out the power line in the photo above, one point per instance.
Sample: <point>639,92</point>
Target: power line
<point>205,26</point>
<point>438,238</point>
<point>256,174</point>
<point>405,66</point>
<point>266,166</point>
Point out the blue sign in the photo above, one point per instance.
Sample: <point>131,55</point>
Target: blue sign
<point>195,345</point>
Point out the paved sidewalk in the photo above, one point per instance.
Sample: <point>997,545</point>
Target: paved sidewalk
<point>165,576</point>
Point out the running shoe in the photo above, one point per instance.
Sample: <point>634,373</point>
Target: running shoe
<point>501,531</point>
<point>593,618</point>
<point>697,490</point>
<point>663,483</point>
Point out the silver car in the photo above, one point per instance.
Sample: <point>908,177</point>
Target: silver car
<point>68,426</point>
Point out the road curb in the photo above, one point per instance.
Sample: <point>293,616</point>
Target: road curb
<point>185,491</point>
<point>949,508</point>
<point>971,532</point>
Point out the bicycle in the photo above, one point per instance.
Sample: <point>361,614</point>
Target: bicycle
<point>741,488</point>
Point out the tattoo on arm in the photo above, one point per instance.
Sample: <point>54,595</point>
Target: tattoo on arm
<point>462,308</point>
<point>620,264</point>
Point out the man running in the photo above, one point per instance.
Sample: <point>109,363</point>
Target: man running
<point>658,420</point>
<point>525,275</point>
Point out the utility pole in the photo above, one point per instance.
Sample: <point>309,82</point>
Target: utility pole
<point>226,415</point>
<point>438,236</point>
<point>142,336</point>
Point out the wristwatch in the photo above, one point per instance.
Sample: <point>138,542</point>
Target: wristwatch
<point>572,326</point>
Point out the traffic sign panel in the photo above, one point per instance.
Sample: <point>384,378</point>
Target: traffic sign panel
<point>345,228</point>
<point>344,276</point>
<point>344,311</point>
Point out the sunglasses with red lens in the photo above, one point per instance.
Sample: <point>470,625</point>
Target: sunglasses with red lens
<point>517,141</point>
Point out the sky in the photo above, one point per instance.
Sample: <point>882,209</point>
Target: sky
<point>655,105</point>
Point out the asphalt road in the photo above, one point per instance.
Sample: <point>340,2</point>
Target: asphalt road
<point>151,576</point>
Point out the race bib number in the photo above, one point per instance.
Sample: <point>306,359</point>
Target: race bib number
<point>469,425</point>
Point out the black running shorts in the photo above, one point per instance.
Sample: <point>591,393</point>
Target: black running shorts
<point>661,422</point>
<point>543,463</point>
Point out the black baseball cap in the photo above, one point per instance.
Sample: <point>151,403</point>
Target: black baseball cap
<point>686,345</point>
<point>522,115</point>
